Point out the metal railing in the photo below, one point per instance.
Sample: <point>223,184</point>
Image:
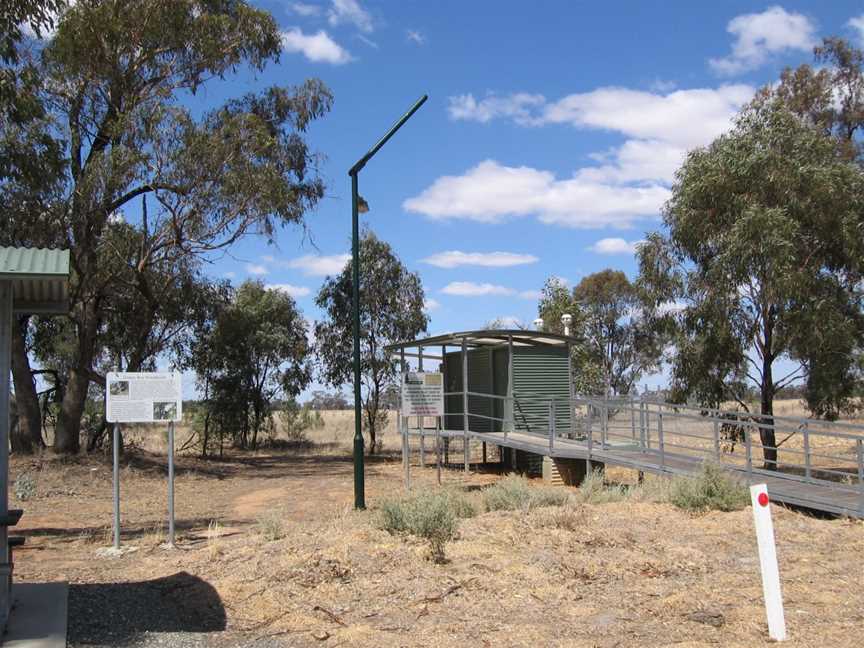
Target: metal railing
<point>678,438</point>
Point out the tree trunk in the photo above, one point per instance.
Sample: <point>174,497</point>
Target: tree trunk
<point>67,438</point>
<point>27,437</point>
<point>766,434</point>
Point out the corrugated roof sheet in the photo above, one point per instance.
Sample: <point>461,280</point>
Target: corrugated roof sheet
<point>489,337</point>
<point>32,262</point>
<point>39,278</point>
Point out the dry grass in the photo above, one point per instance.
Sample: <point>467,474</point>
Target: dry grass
<point>624,569</point>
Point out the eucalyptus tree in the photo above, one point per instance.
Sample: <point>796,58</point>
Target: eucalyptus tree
<point>118,79</point>
<point>391,310</point>
<point>762,258</point>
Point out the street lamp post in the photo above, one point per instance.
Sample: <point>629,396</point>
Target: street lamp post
<point>359,479</point>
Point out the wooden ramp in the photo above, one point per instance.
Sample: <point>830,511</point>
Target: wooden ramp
<point>830,497</point>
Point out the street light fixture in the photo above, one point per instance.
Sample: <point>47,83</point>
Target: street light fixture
<point>360,206</point>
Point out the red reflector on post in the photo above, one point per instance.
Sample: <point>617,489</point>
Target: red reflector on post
<point>763,499</point>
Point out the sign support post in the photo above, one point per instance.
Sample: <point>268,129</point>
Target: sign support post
<point>171,484</point>
<point>768,562</point>
<point>116,452</point>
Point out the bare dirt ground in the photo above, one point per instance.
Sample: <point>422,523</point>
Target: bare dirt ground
<point>619,574</point>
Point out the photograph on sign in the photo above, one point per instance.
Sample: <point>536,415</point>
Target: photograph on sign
<point>422,394</point>
<point>143,397</point>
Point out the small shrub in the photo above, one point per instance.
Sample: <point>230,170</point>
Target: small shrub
<point>711,489</point>
<point>515,493</point>
<point>429,515</point>
<point>271,526</point>
<point>25,487</point>
<point>595,490</point>
<point>567,518</point>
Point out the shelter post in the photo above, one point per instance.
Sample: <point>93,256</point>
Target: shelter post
<point>509,415</point>
<point>465,402</point>
<point>5,363</point>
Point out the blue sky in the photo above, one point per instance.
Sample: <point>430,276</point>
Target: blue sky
<point>548,142</point>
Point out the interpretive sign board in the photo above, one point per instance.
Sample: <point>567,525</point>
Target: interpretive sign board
<point>422,394</point>
<point>143,397</point>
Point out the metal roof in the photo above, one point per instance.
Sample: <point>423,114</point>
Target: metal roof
<point>490,337</point>
<point>39,278</point>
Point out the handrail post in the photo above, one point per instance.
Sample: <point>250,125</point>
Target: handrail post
<point>717,440</point>
<point>604,424</point>
<point>859,450</point>
<point>748,441</point>
<point>551,424</point>
<point>465,403</point>
<point>808,470</point>
<point>632,419</point>
<point>641,424</point>
<point>590,436</point>
<point>660,441</point>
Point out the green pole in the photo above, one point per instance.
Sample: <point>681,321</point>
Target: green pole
<point>359,478</point>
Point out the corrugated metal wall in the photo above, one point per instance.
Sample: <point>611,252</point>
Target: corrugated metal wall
<point>539,373</point>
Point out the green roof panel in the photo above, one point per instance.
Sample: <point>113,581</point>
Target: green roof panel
<point>39,278</point>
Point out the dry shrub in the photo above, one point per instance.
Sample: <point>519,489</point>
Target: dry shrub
<point>712,489</point>
<point>433,516</point>
<point>271,526</point>
<point>514,492</point>
<point>595,490</point>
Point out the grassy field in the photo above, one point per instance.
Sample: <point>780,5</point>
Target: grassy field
<point>270,552</point>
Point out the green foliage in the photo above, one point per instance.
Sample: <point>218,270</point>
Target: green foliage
<point>432,515</point>
<point>617,346</point>
<point>763,259</point>
<point>100,122</point>
<point>391,310</point>
<point>713,489</point>
<point>251,355</point>
<point>515,493</point>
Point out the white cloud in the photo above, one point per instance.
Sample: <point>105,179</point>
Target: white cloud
<point>255,269</point>
<point>415,36</point>
<point>303,9</point>
<point>350,12</point>
<point>318,47</point>
<point>430,305</point>
<point>471,289</point>
<point>520,107</point>
<point>759,35</point>
<point>456,258</point>
<point>294,291</point>
<point>614,246</point>
<point>319,265</point>
<point>268,258</point>
<point>491,192</point>
<point>530,294</point>
<point>857,23</point>
<point>229,274</point>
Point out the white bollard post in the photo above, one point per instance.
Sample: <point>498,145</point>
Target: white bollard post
<point>768,562</point>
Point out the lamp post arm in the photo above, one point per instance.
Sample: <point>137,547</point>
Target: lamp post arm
<point>354,170</point>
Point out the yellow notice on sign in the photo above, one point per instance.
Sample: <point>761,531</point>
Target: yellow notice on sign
<point>422,394</point>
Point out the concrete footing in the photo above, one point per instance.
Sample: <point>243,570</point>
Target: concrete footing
<point>39,615</point>
<point>569,472</point>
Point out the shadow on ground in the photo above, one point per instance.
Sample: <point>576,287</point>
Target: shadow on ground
<point>117,614</point>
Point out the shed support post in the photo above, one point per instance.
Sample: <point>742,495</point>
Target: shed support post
<point>510,407</point>
<point>465,403</point>
<point>5,369</point>
<point>551,425</point>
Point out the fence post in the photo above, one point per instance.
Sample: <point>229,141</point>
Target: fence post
<point>551,424</point>
<point>660,441</point>
<point>859,447</point>
<point>748,441</point>
<point>641,424</point>
<point>808,470</point>
<point>604,424</point>
<point>717,439</point>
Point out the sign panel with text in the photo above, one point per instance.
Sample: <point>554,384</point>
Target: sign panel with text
<point>143,397</point>
<point>422,394</point>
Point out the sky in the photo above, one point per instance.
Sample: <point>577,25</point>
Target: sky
<point>547,146</point>
<point>548,143</point>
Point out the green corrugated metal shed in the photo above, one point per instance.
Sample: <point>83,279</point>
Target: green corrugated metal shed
<point>39,277</point>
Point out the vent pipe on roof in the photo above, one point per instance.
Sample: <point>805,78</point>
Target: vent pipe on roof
<point>538,324</point>
<point>566,320</point>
